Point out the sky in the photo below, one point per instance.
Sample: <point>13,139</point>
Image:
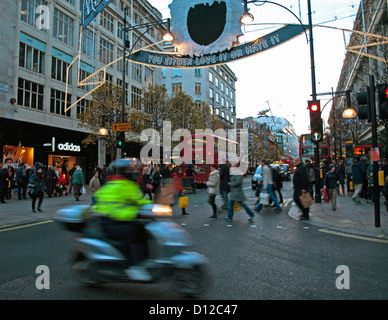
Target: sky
<point>280,78</point>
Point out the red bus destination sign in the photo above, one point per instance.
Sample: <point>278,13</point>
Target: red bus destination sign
<point>159,59</point>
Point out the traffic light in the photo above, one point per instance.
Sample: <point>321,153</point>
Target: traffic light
<point>120,139</point>
<point>363,105</point>
<point>383,100</point>
<point>315,120</point>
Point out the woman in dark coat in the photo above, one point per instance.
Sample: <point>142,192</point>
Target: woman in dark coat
<point>146,181</point>
<point>156,181</point>
<point>37,186</point>
<point>50,180</point>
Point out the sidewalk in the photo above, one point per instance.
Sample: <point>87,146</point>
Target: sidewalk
<point>19,212</point>
<point>357,219</point>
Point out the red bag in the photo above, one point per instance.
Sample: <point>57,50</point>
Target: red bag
<point>325,195</point>
<point>139,179</point>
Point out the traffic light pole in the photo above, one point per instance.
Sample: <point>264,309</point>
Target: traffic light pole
<point>314,96</point>
<point>376,189</point>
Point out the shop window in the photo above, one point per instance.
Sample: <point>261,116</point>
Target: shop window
<point>31,54</point>
<point>63,27</point>
<point>176,87</point>
<point>197,88</point>
<point>30,94</point>
<point>106,51</point>
<point>136,97</point>
<point>60,62</point>
<point>28,12</point>
<point>136,72</point>
<point>57,103</point>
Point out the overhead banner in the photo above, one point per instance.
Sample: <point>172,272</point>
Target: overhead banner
<point>172,60</point>
<point>91,9</point>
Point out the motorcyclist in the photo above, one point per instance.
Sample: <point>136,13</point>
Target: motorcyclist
<point>118,202</point>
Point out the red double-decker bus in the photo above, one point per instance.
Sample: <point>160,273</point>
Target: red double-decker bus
<point>203,150</point>
<point>306,148</point>
<point>287,159</point>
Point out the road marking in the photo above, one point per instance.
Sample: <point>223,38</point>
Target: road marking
<point>26,225</point>
<point>348,235</point>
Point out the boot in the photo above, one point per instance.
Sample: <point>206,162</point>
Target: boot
<point>184,213</point>
<point>214,212</point>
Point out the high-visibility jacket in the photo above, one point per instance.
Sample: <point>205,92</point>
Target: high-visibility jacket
<point>120,200</point>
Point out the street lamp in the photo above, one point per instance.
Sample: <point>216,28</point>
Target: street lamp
<point>246,17</point>
<point>168,36</point>
<point>103,131</point>
<point>349,113</point>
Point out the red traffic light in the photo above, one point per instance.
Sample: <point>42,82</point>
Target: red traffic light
<point>383,101</point>
<point>314,106</point>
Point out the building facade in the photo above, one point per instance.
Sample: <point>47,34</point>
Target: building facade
<point>214,85</point>
<point>269,137</point>
<point>372,18</point>
<point>39,41</point>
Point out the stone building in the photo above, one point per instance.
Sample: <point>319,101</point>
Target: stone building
<point>39,40</point>
<point>372,19</point>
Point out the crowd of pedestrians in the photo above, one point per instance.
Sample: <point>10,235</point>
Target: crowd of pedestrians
<point>38,181</point>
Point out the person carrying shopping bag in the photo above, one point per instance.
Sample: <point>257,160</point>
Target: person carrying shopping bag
<point>213,187</point>
<point>78,181</point>
<point>237,194</point>
<point>331,182</point>
<point>177,182</point>
<point>267,186</point>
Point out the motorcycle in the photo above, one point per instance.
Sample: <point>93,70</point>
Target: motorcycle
<point>97,260</point>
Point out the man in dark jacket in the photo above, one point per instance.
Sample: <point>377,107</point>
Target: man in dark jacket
<point>302,184</point>
<point>331,181</point>
<point>21,180</point>
<point>386,192</point>
<point>224,184</point>
<point>3,182</point>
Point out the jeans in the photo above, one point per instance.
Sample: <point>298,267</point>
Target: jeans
<point>22,191</point>
<point>231,210</point>
<point>37,195</point>
<point>224,195</point>
<point>271,195</point>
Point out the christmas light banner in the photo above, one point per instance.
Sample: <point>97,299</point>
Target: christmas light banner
<point>173,60</point>
<point>91,9</point>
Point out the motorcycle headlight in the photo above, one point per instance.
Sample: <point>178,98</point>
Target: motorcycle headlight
<point>162,210</point>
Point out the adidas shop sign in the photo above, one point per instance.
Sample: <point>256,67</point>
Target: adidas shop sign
<point>69,147</point>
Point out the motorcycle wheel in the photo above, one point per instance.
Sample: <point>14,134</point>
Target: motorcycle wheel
<point>85,271</point>
<point>191,282</point>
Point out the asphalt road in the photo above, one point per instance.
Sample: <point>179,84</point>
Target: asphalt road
<point>275,257</point>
